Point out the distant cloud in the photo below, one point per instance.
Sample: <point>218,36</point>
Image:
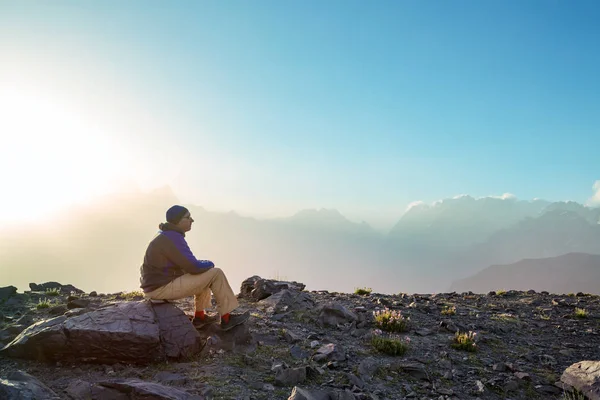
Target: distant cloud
<point>595,199</point>
<point>505,196</point>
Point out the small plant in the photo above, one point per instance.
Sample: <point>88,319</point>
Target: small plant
<point>505,317</point>
<point>390,320</point>
<point>464,341</point>
<point>363,291</point>
<point>573,395</point>
<point>580,313</point>
<point>500,292</point>
<point>544,316</point>
<point>389,345</point>
<point>136,294</point>
<point>43,304</point>
<point>449,310</point>
<point>52,292</point>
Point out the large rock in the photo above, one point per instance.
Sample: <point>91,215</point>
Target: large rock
<point>255,288</point>
<point>19,385</point>
<point>332,314</point>
<point>130,332</point>
<point>585,377</point>
<point>178,336</point>
<point>288,300</point>
<point>138,389</point>
<point>299,393</point>
<point>7,291</point>
<point>82,390</point>
<point>54,285</point>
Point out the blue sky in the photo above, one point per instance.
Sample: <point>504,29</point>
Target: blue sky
<point>268,107</point>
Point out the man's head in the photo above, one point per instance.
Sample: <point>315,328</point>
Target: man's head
<point>180,216</point>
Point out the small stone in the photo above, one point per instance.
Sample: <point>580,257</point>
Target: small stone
<point>499,367</point>
<point>511,386</point>
<point>297,352</point>
<point>268,387</point>
<point>480,388</point>
<point>423,332</point>
<point>523,376</point>
<point>290,376</point>
<point>255,385</point>
<point>292,337</point>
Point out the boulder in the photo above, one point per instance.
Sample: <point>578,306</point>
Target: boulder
<point>333,314</point>
<point>585,377</point>
<point>299,393</point>
<point>218,339</point>
<point>54,285</point>
<point>19,385</point>
<point>82,390</point>
<point>7,291</point>
<point>288,300</point>
<point>128,332</point>
<point>138,389</point>
<point>255,288</point>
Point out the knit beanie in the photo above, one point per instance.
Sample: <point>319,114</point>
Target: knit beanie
<point>175,213</point>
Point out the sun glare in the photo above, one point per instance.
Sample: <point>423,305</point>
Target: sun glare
<point>52,156</point>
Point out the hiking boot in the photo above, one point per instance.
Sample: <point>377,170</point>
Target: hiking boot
<point>208,319</point>
<point>235,320</point>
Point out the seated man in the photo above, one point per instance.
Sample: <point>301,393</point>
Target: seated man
<point>170,272</point>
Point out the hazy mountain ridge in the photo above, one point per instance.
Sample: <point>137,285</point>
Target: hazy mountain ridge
<point>568,273</point>
<point>428,249</point>
<point>463,220</point>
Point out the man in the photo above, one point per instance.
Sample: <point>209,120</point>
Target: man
<point>170,272</point>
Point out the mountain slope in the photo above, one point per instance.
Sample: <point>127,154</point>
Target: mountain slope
<point>569,273</point>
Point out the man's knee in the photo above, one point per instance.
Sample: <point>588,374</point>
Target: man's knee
<point>218,271</point>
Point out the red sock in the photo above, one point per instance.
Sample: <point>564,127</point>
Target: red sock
<point>225,317</point>
<point>199,314</point>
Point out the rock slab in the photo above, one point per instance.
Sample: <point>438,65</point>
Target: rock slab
<point>585,377</point>
<point>19,385</point>
<point>130,332</point>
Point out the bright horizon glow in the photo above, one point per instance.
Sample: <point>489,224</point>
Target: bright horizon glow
<point>54,158</point>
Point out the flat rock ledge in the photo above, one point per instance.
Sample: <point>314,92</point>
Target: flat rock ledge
<point>130,332</point>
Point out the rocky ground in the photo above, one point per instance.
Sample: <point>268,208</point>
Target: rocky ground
<point>319,345</point>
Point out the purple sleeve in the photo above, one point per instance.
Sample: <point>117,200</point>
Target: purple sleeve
<point>193,264</point>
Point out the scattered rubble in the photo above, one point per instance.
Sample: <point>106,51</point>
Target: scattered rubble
<point>299,345</point>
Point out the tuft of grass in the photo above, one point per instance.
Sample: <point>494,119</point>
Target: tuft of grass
<point>505,317</point>
<point>363,291</point>
<point>500,292</point>
<point>136,294</point>
<point>449,310</point>
<point>573,395</point>
<point>52,292</point>
<point>464,341</point>
<point>391,320</point>
<point>43,304</point>
<point>580,313</point>
<point>544,316</point>
<point>389,345</point>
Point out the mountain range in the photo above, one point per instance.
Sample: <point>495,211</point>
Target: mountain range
<point>432,248</point>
